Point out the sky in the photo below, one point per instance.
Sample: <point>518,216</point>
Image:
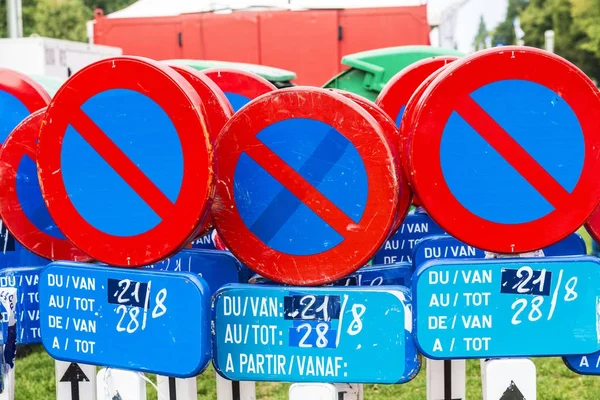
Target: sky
<point>493,12</point>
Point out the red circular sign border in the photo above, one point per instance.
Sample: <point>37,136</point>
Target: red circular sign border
<point>216,108</point>
<point>490,66</point>
<point>344,258</point>
<point>19,143</point>
<point>392,134</point>
<point>191,205</point>
<point>240,82</point>
<point>28,91</point>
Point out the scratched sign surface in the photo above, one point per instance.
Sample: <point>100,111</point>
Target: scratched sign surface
<point>506,307</point>
<point>25,280</point>
<point>296,334</point>
<point>399,247</point>
<point>108,316</point>
<point>373,275</point>
<point>217,268</point>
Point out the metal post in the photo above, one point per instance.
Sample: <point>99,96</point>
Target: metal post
<point>14,18</point>
<point>549,44</point>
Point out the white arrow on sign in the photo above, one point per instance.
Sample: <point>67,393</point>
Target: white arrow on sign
<point>509,379</point>
<point>75,381</point>
<point>170,388</point>
<point>116,384</point>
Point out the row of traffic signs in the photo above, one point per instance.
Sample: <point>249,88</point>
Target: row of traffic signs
<point>133,159</point>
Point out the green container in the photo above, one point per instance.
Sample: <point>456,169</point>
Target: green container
<point>371,70</point>
<point>279,77</point>
<point>50,83</point>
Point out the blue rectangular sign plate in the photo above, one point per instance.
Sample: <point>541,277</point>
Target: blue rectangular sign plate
<point>444,246</point>
<point>398,248</point>
<point>217,268</point>
<point>521,307</point>
<point>25,280</point>
<point>297,334</point>
<point>149,321</point>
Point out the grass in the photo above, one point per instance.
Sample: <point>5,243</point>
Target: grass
<point>35,381</point>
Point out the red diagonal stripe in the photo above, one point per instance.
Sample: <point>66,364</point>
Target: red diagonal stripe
<point>511,151</point>
<point>299,187</point>
<point>121,164</point>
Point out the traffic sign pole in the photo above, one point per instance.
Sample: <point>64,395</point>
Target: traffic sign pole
<point>170,388</point>
<point>235,390</point>
<point>119,384</point>
<point>446,379</point>
<point>75,381</point>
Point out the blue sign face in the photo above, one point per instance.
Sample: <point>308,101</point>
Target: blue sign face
<point>323,157</point>
<point>216,268</point>
<point>444,246</point>
<point>121,211</point>
<point>13,111</point>
<point>116,317</point>
<point>293,334</point>
<point>25,280</point>
<point>484,177</point>
<point>14,254</point>
<point>507,307</point>
<point>236,100</point>
<point>399,247</point>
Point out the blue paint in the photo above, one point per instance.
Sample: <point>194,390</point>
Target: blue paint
<point>293,340</point>
<point>398,248</point>
<point>177,318</point>
<point>541,122</point>
<point>25,280</point>
<point>205,242</point>
<point>145,133</point>
<point>398,274</point>
<point>399,116</point>
<point>326,160</point>
<point>12,112</point>
<point>444,246</point>
<point>217,268</point>
<point>14,254</point>
<point>236,100</point>
<point>457,301</point>
<point>588,364</point>
<point>30,198</point>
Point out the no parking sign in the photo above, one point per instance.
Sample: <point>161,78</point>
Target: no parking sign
<point>124,163</point>
<point>305,186</point>
<point>504,151</point>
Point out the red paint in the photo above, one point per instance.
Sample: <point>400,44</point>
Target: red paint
<point>449,92</point>
<point>305,42</point>
<point>21,143</point>
<point>239,82</point>
<point>392,136</point>
<point>400,89</point>
<point>29,92</point>
<point>361,241</point>
<point>216,108</point>
<point>180,220</point>
<point>593,225</point>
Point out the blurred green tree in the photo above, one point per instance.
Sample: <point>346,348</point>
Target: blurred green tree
<point>505,31</point>
<point>62,19</point>
<point>480,41</point>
